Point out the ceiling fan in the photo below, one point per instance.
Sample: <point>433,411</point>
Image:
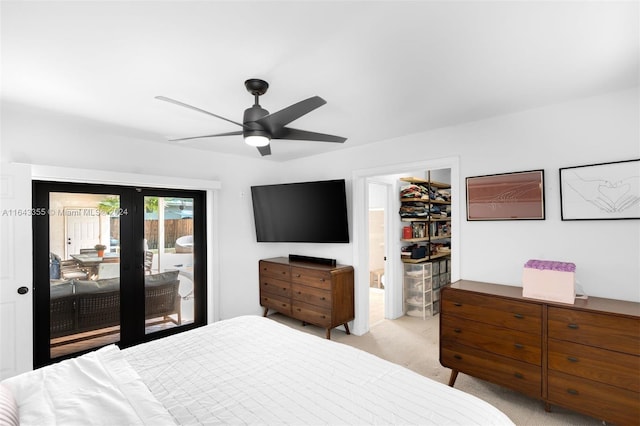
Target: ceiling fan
<point>259,127</point>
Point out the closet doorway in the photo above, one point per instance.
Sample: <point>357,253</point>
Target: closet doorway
<point>115,264</point>
<point>377,196</point>
<point>393,270</point>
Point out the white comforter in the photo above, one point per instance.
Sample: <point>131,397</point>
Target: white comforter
<point>247,370</point>
<point>99,388</point>
<point>253,370</point>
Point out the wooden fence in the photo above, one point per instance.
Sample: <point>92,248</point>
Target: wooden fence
<point>173,229</point>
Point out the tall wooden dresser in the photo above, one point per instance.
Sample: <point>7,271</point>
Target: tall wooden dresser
<point>584,356</point>
<point>314,293</point>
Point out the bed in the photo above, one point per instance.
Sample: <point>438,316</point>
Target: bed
<point>245,370</point>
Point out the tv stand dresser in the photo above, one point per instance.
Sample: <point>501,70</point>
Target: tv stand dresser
<point>583,356</point>
<point>314,292</point>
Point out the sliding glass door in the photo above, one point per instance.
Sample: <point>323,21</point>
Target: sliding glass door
<point>84,271</point>
<point>115,265</point>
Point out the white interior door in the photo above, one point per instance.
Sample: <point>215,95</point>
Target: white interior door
<point>16,277</point>
<point>82,230</point>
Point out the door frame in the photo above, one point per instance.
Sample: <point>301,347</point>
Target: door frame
<point>132,319</point>
<point>394,265</point>
<point>65,174</point>
<point>211,188</point>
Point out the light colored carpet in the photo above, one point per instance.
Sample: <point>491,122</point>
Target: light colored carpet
<point>413,343</point>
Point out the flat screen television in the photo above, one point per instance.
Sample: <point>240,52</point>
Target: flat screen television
<point>303,212</point>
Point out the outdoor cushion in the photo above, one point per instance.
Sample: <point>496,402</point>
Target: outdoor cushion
<point>90,286</point>
<point>161,278</point>
<point>60,289</point>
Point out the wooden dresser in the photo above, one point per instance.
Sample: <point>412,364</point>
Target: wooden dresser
<point>585,356</point>
<point>313,293</point>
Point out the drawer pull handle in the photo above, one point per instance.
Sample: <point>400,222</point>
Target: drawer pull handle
<point>299,292</point>
<point>322,280</point>
<point>299,310</point>
<point>284,289</point>
<point>519,316</point>
<point>518,345</point>
<point>572,359</point>
<point>323,298</point>
<point>457,330</point>
<point>323,317</point>
<point>284,305</point>
<point>572,391</point>
<point>456,356</point>
<point>457,304</point>
<point>297,275</point>
<point>284,272</point>
<point>574,326</point>
<point>518,375</point>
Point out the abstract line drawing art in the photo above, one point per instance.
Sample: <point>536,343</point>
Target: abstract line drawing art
<point>506,196</point>
<point>601,191</point>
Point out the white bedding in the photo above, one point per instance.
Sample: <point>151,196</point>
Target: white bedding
<point>246,370</point>
<point>253,370</point>
<point>99,388</point>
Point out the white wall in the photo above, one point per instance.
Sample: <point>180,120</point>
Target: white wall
<point>588,131</point>
<point>594,130</point>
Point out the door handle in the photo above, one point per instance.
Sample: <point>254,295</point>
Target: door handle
<point>23,290</point>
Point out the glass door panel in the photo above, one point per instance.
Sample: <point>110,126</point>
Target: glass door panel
<point>84,271</point>
<point>169,260</point>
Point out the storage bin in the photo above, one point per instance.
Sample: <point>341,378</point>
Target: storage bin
<point>549,280</point>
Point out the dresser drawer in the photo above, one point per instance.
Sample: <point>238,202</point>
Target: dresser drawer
<point>511,343</point>
<point>489,309</point>
<point>312,295</point>
<point>516,375</point>
<point>311,313</point>
<point>275,287</point>
<point>601,365</point>
<point>311,277</point>
<point>275,270</point>
<point>611,332</point>
<point>602,401</point>
<point>278,303</point>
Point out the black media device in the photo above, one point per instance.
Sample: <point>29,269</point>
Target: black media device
<point>304,212</point>
<point>310,259</point>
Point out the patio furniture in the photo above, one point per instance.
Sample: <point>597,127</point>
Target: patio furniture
<point>71,270</point>
<point>84,305</point>
<point>148,261</point>
<point>184,244</point>
<point>108,270</point>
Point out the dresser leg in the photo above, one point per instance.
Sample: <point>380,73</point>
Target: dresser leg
<point>266,310</point>
<point>547,407</point>
<point>328,333</point>
<point>453,377</point>
<point>346,327</point>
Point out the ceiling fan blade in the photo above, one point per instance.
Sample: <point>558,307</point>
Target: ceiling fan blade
<point>303,135</point>
<point>274,122</point>
<point>173,101</point>
<point>264,150</point>
<point>239,132</point>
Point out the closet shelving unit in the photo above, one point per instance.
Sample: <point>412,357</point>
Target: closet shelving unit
<point>423,276</point>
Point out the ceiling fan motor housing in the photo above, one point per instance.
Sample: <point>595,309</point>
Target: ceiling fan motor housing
<point>251,115</point>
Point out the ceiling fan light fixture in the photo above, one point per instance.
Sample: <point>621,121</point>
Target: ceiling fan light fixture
<point>256,140</point>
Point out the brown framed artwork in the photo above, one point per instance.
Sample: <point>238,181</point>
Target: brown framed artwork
<point>506,196</point>
<point>601,191</point>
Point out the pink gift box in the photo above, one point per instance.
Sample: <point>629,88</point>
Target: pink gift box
<point>549,280</point>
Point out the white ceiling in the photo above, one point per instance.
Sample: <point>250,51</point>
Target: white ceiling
<point>385,68</point>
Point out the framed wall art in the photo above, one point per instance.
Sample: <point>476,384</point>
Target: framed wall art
<point>506,196</point>
<point>600,191</point>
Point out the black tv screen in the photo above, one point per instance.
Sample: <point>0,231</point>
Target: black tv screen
<point>305,212</point>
